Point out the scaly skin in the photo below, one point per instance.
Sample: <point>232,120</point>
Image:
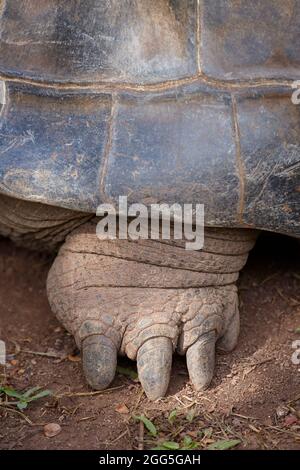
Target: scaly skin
<point>144,298</point>
<point>147,298</point>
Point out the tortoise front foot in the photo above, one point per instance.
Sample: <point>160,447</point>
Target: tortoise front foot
<point>147,299</point>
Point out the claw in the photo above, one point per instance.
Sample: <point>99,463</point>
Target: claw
<point>200,359</point>
<point>99,360</point>
<point>230,338</point>
<point>154,362</point>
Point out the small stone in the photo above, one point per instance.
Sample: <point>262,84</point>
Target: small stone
<point>52,429</point>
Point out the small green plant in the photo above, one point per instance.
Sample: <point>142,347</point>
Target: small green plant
<point>189,444</point>
<point>224,445</point>
<point>172,416</point>
<point>167,445</point>
<point>147,423</point>
<point>24,398</point>
<point>186,444</point>
<point>127,372</point>
<point>191,415</point>
<point>175,434</point>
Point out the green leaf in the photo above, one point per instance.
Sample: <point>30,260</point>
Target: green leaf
<point>42,394</point>
<point>10,392</point>
<point>190,416</point>
<point>148,424</point>
<point>224,445</point>
<point>170,445</point>
<point>189,444</point>
<point>31,391</point>
<point>187,440</point>
<point>26,397</point>
<point>192,446</point>
<point>22,405</point>
<point>127,372</point>
<point>297,330</point>
<point>172,416</point>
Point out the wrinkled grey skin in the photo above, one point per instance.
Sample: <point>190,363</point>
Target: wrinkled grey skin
<point>166,101</point>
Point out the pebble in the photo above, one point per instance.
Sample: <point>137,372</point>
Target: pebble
<point>52,429</point>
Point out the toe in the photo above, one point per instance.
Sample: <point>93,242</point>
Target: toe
<point>154,362</point>
<point>200,359</point>
<point>99,359</point>
<point>230,338</point>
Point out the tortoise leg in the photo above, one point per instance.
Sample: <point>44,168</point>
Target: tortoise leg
<point>146,299</point>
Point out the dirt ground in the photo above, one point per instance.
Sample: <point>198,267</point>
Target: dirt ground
<point>254,397</point>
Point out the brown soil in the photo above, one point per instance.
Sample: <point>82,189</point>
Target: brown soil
<point>254,397</point>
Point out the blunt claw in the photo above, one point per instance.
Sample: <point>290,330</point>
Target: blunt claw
<point>99,360</point>
<point>200,359</point>
<point>154,362</point>
<point>230,338</point>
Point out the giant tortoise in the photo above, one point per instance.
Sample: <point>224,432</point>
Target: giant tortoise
<point>162,101</point>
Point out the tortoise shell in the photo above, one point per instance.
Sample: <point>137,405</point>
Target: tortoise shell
<point>185,101</point>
